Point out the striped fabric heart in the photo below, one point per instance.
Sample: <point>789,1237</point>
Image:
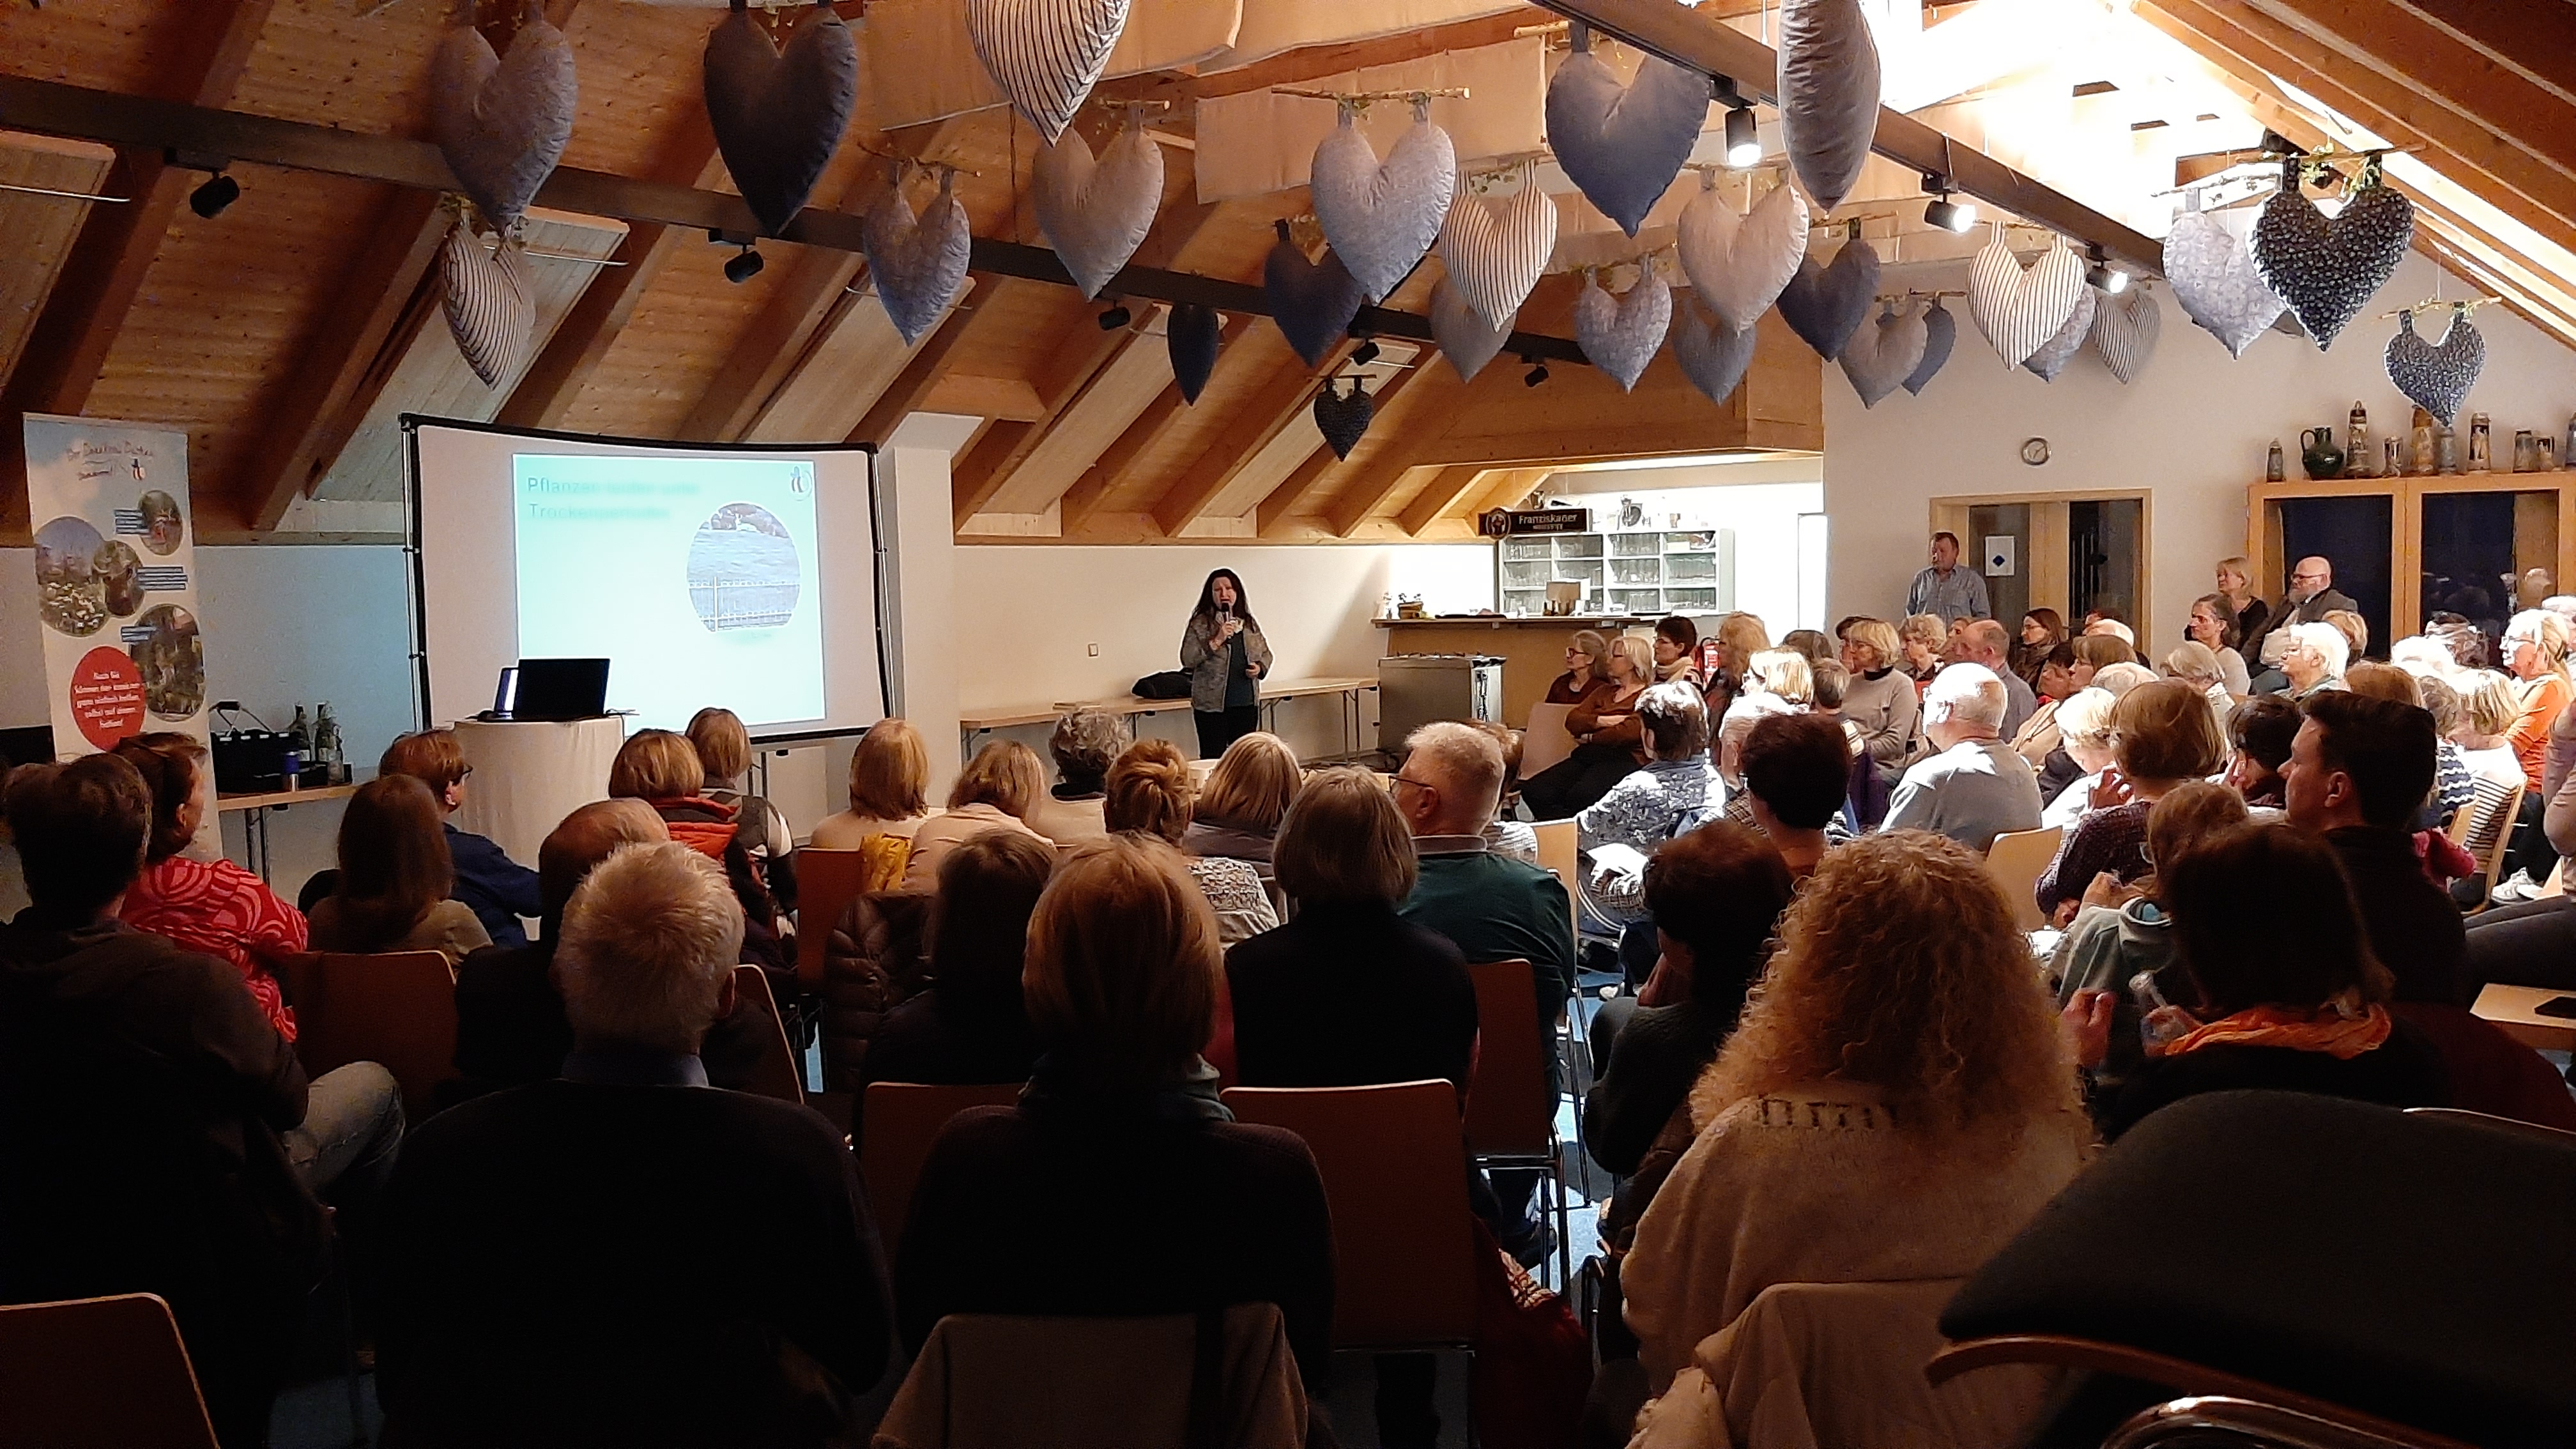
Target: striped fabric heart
<point>2125,329</point>
<point>1713,355</point>
<point>2216,281</point>
<point>1045,54</point>
<point>2326,269</point>
<point>491,309</point>
<point>1095,215</point>
<point>1940,334</point>
<point>1825,305</point>
<point>1882,354</point>
<point>2059,350</point>
<point>502,121</point>
<point>1738,264</point>
<point>1495,251</point>
<point>1623,145</point>
<point>1313,302</point>
<point>1620,334</point>
<point>1828,89</point>
<point>1382,217</point>
<point>918,264</point>
<point>1462,334</point>
<point>778,115</point>
<point>2020,308</point>
<point>2437,376</point>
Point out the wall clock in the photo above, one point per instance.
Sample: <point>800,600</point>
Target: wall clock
<point>2034,451</point>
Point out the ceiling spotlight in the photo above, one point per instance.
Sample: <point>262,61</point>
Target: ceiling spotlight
<point>1743,138</point>
<point>744,266</point>
<point>1942,211</point>
<point>1115,318</point>
<point>2102,276</point>
<point>1365,353</point>
<point>213,195</point>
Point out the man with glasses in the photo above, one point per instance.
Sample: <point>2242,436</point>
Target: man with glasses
<point>2310,597</point>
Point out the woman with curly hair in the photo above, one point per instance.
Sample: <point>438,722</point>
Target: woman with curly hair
<point>1896,1103</point>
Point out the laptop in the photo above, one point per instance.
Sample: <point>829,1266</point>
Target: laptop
<point>551,689</point>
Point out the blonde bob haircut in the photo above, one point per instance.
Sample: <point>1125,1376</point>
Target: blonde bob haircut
<point>1005,775</point>
<point>1926,629</point>
<point>890,772</point>
<point>2163,731</point>
<point>2548,633</point>
<point>1149,790</point>
<point>650,939</point>
<point>1743,636</point>
<point>1879,638</point>
<point>1123,964</point>
<point>1640,654</point>
<point>723,745</point>
<point>1252,784</point>
<point>2085,717</point>
<point>2487,701</point>
<point>656,765</point>
<point>1786,673</point>
<point>1344,843</point>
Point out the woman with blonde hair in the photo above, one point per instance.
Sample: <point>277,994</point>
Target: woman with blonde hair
<point>993,792</point>
<point>1895,1104</point>
<point>1612,743</point>
<point>1778,681</point>
<point>1149,792</point>
<point>2067,777</point>
<point>2162,734</point>
<point>724,750</point>
<point>889,789</point>
<point>2235,580</point>
<point>1739,637</point>
<point>662,769</point>
<point>1246,797</point>
<point>2489,705</point>
<point>1880,702</point>
<point>2535,649</point>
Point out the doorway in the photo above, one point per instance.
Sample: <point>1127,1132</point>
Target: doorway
<point>2068,552</point>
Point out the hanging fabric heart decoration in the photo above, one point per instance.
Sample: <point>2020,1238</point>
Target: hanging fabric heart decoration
<point>1193,335</point>
<point>778,116</point>
<point>502,121</point>
<point>2216,281</point>
<point>1623,145</point>
<point>918,265</point>
<point>1496,251</point>
<point>1096,215</point>
<point>2125,330</point>
<point>1344,417</point>
<point>2326,269</point>
<point>1828,94</point>
<point>1738,264</point>
<point>1045,54</point>
<point>2437,376</point>
<point>1825,305</point>
<point>2057,351</point>
<point>2020,308</point>
<point>1620,334</point>
<point>1713,355</point>
<point>1381,219</point>
<point>1462,334</point>
<point>1313,302</point>
<point>491,309</point>
<point>1881,355</point>
<point>1940,334</point>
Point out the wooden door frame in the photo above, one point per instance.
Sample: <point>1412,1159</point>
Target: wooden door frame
<point>2406,495</point>
<point>2050,586</point>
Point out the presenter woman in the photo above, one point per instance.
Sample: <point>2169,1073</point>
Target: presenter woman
<point>1225,657</point>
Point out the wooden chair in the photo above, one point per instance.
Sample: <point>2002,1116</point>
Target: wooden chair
<point>99,1373</point>
<point>2016,860</point>
<point>397,1010</point>
<point>1558,856</point>
<point>777,1074</point>
<point>1511,1115</point>
<point>1394,1160</point>
<point>897,1123</point>
<point>826,882</point>
<point>2489,834</point>
<point>1544,740</point>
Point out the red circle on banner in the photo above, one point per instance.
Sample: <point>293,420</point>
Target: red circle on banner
<point>107,697</point>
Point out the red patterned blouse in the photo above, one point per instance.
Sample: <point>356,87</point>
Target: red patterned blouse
<point>222,910</point>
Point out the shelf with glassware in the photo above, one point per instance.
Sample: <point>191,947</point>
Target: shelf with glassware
<point>1642,571</point>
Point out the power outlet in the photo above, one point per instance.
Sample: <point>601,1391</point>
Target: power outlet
<point>1095,651</point>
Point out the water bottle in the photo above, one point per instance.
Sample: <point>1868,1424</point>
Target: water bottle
<point>2159,1025</point>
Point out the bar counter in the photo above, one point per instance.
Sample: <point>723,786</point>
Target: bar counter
<point>1533,650</point>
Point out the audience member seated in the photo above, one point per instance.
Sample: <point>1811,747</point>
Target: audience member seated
<point>499,890</point>
<point>1085,744</point>
<point>2280,1000</point>
<point>970,1026</point>
<point>1246,797</point>
<point>2083,752</point>
<point>995,791</point>
<point>2042,630</point>
<point>1974,789</point>
<point>2197,665</point>
<point>2488,708</point>
<point>2535,649</point>
<point>2104,622</point>
<point>2260,735</point>
<point>1831,681</point>
<point>1150,792</point>
<point>2355,631</point>
<point>393,889</point>
<point>1810,642</point>
<point>724,751</point>
<point>2533,943</point>
<point>1777,682</point>
<point>1676,640</point>
<point>2453,785</point>
<point>662,769</point>
<point>1983,641</point>
<point>2161,736</point>
<point>1795,770</point>
<point>1120,1185</point>
<point>1503,834</point>
<point>1880,701</point>
<point>2040,735</point>
<point>1922,637</point>
<point>540,1288</point>
<point>2456,781</point>
<point>2312,660</point>
<point>2213,626</point>
<point>889,789</point>
<point>1739,637</point>
<point>2096,652</point>
<point>211,906</point>
<point>1895,1103</point>
<point>2359,769</point>
<point>1610,739</point>
<point>1671,793</point>
<point>1587,663</point>
<point>2310,597</point>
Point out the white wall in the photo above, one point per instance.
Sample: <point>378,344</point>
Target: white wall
<point>2191,433</point>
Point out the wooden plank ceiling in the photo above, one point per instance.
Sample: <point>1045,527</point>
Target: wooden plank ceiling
<point>289,332</point>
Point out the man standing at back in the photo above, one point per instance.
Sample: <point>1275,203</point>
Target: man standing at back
<point>1984,642</point>
<point>1946,590</point>
<point>1976,788</point>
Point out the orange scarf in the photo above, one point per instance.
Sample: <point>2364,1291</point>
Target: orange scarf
<point>2334,1029</point>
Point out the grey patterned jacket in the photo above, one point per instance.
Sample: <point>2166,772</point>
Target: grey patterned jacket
<point>1206,667</point>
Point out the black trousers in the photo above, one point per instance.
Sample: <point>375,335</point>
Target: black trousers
<point>1577,781</point>
<point>2531,944</point>
<point>1220,728</point>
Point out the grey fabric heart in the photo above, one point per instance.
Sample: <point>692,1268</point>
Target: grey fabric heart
<point>1828,89</point>
<point>1193,335</point>
<point>1381,219</point>
<point>2326,269</point>
<point>2020,308</point>
<point>2056,352</point>
<point>1344,418</point>
<point>778,116</point>
<point>918,265</point>
<point>1879,357</point>
<point>1096,215</point>
<point>1313,302</point>
<point>1738,264</point>
<point>2217,283</point>
<point>1940,334</point>
<point>2125,329</point>
<point>491,309</point>
<point>2437,376</point>
<point>1620,334</point>
<point>1623,145</point>
<point>1495,252</point>
<point>502,121</point>
<point>1045,54</point>
<point>1825,305</point>
<point>1462,334</point>
<point>1713,355</point>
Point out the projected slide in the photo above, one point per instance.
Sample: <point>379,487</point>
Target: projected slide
<point>698,577</point>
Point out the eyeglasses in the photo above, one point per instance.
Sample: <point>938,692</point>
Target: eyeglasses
<point>462,774</point>
<point>2309,578</point>
<point>1409,780</point>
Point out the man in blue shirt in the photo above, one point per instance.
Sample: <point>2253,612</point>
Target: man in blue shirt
<point>496,888</point>
<point>1946,590</point>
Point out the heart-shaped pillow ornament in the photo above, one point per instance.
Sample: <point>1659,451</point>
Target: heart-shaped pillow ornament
<point>2437,376</point>
<point>2057,351</point>
<point>1620,334</point>
<point>1461,332</point>
<point>917,263</point>
<point>1940,334</point>
<point>2125,329</point>
<point>778,115</point>
<point>2326,269</point>
<point>490,304</point>
<point>1738,264</point>
<point>1828,89</point>
<point>1623,145</point>
<point>1046,55</point>
<point>1713,355</point>
<point>1343,418</point>
<point>2020,308</point>
<point>502,121</point>
<point>1313,302</point>
<point>2216,281</point>
<point>1095,215</point>
<point>1495,251</point>
<point>1826,304</point>
<point>1193,335</point>
<point>1381,218</point>
<point>1882,354</point>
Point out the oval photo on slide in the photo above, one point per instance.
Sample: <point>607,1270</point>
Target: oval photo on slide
<point>742,570</point>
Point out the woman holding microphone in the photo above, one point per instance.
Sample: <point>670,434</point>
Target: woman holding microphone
<point>1225,656</point>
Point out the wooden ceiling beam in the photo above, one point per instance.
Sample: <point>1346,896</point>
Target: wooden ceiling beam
<point>1439,496</point>
<point>2531,39</point>
<point>1285,501</point>
<point>1083,500</point>
<point>929,363</point>
<point>1081,350</point>
<point>1258,419</point>
<point>1406,396</point>
<point>1314,62</point>
<point>2387,45</point>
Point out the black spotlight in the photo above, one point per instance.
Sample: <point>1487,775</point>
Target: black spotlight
<point>1365,353</point>
<point>2102,275</point>
<point>1743,138</point>
<point>1115,318</point>
<point>744,266</point>
<point>213,195</point>
<point>1941,211</point>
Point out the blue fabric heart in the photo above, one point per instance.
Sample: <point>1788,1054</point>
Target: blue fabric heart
<point>1313,302</point>
<point>1623,145</point>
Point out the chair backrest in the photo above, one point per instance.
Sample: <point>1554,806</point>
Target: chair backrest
<point>897,1123</point>
<point>1509,1109</point>
<point>1544,740</point>
<point>1394,1162</point>
<point>397,1010</point>
<point>2015,860</point>
<point>826,882</point>
<point>1557,855</point>
<point>775,1075</point>
<point>99,1373</point>
<point>2490,848</point>
<point>2514,1126</point>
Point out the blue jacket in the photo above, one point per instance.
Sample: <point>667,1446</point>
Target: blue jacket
<point>496,888</point>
